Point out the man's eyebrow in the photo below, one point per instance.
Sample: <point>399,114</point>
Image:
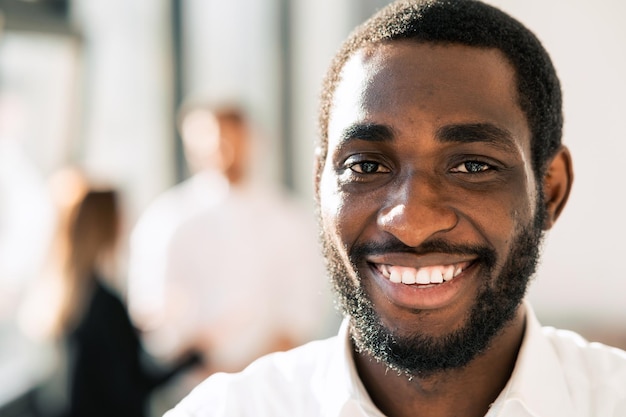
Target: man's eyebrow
<point>371,132</point>
<point>476,132</point>
<point>459,133</point>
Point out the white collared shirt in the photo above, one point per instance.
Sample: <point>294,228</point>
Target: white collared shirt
<point>229,271</point>
<point>557,374</point>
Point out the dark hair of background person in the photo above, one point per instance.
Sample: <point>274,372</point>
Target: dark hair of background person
<point>90,237</point>
<point>469,23</point>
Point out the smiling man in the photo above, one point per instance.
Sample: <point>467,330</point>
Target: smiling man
<point>439,169</point>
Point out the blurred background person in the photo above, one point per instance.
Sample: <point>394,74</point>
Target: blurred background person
<point>223,262</point>
<point>101,371</point>
<point>152,234</point>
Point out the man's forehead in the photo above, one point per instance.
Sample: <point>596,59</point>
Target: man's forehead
<point>409,53</point>
<point>460,84</point>
<point>396,70</point>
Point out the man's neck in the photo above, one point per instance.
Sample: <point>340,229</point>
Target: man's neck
<point>468,391</point>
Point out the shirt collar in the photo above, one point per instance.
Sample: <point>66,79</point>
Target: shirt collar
<point>537,387</point>
<point>343,391</point>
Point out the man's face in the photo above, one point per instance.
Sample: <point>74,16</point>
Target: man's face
<point>430,215</point>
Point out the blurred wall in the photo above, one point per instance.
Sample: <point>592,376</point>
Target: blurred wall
<point>128,100</point>
<point>580,282</point>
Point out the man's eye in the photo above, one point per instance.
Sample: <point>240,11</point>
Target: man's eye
<point>367,167</point>
<point>472,167</point>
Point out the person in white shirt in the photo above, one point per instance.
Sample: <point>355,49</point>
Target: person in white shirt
<point>221,264</point>
<point>440,167</point>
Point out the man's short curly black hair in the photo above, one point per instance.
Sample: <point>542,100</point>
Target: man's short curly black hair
<point>471,23</point>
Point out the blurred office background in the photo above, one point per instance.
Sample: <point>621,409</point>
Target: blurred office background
<point>97,83</point>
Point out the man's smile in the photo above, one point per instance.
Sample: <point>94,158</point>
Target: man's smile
<point>427,281</point>
<point>434,274</point>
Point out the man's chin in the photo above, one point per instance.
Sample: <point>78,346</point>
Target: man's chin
<point>413,354</point>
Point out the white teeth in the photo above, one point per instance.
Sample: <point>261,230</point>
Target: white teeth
<point>384,269</point>
<point>458,270</point>
<point>423,276</point>
<point>408,276</point>
<point>395,276</point>
<point>436,274</point>
<point>448,273</point>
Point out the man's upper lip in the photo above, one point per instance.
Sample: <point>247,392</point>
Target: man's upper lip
<point>419,261</point>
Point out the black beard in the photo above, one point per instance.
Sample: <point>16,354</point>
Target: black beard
<point>420,355</point>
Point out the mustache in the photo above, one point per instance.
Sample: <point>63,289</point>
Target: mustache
<point>483,253</point>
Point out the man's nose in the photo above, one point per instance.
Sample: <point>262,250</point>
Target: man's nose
<point>416,211</point>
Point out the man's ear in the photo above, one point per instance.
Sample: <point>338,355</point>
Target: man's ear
<point>557,184</point>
